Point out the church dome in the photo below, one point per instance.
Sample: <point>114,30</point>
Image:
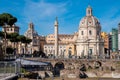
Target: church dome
<point>30,33</point>
<point>89,19</point>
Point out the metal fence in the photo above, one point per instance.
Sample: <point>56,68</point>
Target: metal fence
<point>9,67</point>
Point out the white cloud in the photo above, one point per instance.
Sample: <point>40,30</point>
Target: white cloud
<point>41,9</point>
<point>108,24</point>
<point>110,19</point>
<point>43,14</point>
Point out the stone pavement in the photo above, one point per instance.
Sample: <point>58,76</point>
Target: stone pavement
<point>5,76</point>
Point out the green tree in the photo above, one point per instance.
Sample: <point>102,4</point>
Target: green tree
<point>26,41</point>
<point>6,19</point>
<point>9,51</point>
<point>14,39</point>
<point>20,39</point>
<point>39,54</point>
<point>1,34</point>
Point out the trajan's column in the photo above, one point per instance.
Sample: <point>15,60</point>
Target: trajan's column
<point>56,37</point>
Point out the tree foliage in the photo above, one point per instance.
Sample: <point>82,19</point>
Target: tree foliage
<point>39,53</point>
<point>26,40</point>
<point>9,50</point>
<point>6,18</point>
<point>13,37</point>
<point>1,34</point>
<point>21,38</point>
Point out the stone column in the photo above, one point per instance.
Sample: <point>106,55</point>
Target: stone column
<point>56,37</point>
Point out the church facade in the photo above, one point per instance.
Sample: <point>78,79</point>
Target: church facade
<point>89,42</point>
<point>35,44</point>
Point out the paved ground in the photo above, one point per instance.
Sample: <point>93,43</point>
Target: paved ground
<point>71,79</point>
<point>109,79</point>
<point>81,79</point>
<point>4,76</point>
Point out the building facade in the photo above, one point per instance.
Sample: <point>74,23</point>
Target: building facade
<point>11,29</point>
<point>42,42</point>
<point>110,42</point>
<point>89,42</point>
<point>66,48</point>
<point>107,37</point>
<point>35,44</point>
<point>119,37</point>
<point>114,40</point>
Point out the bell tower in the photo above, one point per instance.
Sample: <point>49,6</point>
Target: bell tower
<point>31,26</point>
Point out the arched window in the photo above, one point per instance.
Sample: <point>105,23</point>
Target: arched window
<point>82,33</point>
<point>90,32</point>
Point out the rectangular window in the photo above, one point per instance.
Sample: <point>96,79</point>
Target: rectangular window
<point>90,51</point>
<point>90,32</point>
<point>82,33</point>
<point>97,32</point>
<point>7,29</point>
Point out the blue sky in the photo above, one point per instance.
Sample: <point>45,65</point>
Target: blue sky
<point>69,12</point>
